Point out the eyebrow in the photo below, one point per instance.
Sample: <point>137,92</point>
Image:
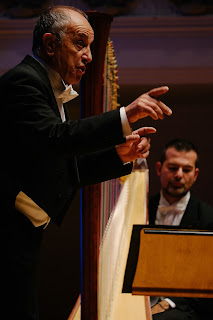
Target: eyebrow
<point>176,165</point>
<point>82,35</point>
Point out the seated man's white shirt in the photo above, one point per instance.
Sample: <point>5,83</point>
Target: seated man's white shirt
<point>171,214</point>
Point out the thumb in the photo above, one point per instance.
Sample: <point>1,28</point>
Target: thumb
<point>132,138</point>
<point>144,131</point>
<point>158,91</point>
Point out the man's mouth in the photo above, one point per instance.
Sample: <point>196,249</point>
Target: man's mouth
<point>177,185</point>
<point>82,68</point>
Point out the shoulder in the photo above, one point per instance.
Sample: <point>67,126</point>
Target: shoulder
<point>28,76</point>
<point>205,211</point>
<point>28,68</point>
<point>204,206</point>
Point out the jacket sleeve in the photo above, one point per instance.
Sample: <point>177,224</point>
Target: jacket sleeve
<point>100,166</point>
<point>35,120</point>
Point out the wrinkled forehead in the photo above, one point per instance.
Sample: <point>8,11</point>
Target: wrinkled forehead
<point>79,25</point>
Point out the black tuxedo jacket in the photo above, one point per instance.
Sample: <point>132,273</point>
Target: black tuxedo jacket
<point>198,215</point>
<point>45,158</point>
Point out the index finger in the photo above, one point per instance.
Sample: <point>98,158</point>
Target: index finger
<point>158,91</point>
<point>145,131</point>
<point>164,108</point>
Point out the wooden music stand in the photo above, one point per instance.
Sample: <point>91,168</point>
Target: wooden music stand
<point>174,263</point>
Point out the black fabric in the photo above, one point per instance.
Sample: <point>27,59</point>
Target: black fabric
<point>176,314</point>
<point>20,252</point>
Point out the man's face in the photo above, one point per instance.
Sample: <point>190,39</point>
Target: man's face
<point>71,57</point>
<point>177,173</point>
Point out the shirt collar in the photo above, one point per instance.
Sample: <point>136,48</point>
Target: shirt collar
<point>182,203</point>
<point>57,83</point>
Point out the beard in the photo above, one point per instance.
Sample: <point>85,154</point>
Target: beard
<point>175,192</point>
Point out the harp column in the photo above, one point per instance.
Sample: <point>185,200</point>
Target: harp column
<point>92,104</point>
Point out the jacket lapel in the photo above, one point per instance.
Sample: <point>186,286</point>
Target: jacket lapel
<point>153,207</point>
<point>191,215</point>
<point>40,70</point>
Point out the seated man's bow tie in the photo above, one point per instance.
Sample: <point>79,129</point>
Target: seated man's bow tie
<point>68,94</point>
<point>164,209</point>
<point>169,214</point>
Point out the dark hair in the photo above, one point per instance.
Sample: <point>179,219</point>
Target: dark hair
<point>179,145</point>
<point>54,20</point>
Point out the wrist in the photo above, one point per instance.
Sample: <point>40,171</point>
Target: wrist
<point>164,304</point>
<point>125,123</point>
<point>131,114</point>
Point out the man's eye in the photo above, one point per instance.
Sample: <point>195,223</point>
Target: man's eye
<point>81,43</point>
<point>172,168</point>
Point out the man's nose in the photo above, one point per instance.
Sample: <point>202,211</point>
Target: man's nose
<point>88,55</point>
<point>179,173</point>
<point>89,59</point>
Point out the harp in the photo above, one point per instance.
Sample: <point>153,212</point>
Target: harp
<point>109,208</point>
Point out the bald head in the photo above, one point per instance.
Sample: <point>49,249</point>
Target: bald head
<point>55,21</point>
<point>62,38</point>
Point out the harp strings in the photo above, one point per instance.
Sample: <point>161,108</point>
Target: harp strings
<point>123,203</point>
<point>110,190</point>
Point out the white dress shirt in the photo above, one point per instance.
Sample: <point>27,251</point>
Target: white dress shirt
<point>171,214</point>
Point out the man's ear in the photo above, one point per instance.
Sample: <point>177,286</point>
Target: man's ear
<point>196,174</point>
<point>158,168</point>
<point>49,44</point>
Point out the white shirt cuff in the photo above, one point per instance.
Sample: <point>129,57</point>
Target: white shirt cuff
<point>171,303</point>
<point>125,123</point>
